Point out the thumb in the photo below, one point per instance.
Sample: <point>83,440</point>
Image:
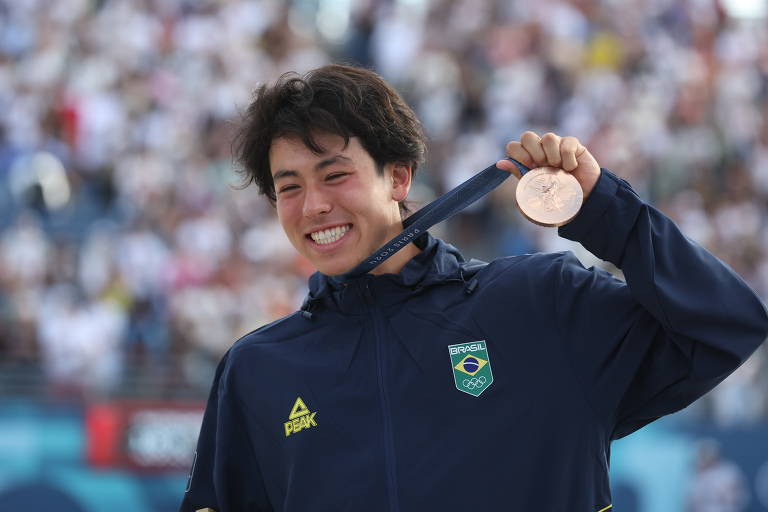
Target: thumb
<point>585,158</point>
<point>506,165</point>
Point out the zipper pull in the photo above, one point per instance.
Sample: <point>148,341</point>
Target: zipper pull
<point>367,293</point>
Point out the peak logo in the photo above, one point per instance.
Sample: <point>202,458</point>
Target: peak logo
<point>300,418</point>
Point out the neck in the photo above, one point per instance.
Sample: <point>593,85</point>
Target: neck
<point>396,263</point>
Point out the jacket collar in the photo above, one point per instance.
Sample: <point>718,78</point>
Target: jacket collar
<point>438,262</point>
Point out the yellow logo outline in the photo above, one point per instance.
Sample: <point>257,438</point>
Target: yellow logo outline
<point>300,418</point>
<point>299,409</point>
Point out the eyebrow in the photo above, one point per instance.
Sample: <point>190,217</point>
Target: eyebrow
<point>322,164</point>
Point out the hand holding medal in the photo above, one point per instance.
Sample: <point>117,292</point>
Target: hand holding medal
<point>562,175</point>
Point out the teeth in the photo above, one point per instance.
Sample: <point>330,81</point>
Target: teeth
<point>328,236</point>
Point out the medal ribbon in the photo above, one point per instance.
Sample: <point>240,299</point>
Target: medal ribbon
<point>440,209</point>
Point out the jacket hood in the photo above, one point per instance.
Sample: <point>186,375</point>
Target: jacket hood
<point>437,263</point>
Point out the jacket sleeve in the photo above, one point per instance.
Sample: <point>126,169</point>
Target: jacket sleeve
<point>225,474</point>
<point>682,322</point>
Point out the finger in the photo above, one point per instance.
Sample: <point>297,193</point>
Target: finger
<point>570,148</point>
<point>516,150</point>
<point>550,143</point>
<point>531,142</point>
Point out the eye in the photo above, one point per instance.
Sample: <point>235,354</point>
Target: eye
<point>336,175</point>
<point>287,188</point>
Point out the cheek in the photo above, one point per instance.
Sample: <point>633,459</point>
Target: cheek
<point>350,199</point>
<point>286,214</point>
<point>368,200</point>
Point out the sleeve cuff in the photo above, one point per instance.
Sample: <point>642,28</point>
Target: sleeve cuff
<point>593,208</point>
<point>606,219</point>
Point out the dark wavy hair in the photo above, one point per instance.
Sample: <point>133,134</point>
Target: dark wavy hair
<point>343,100</point>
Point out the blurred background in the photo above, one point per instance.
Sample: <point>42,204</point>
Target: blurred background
<point>130,261</point>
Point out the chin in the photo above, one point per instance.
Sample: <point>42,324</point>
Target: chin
<point>333,269</point>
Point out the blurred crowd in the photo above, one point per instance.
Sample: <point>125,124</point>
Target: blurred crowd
<point>129,247</point>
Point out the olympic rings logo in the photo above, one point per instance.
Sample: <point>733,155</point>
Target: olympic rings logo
<point>474,383</point>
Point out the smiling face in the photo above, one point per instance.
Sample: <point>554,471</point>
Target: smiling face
<point>335,207</point>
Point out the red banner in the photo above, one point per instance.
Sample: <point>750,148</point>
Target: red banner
<point>143,435</point>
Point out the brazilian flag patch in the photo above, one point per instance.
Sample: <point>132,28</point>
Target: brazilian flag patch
<point>471,367</point>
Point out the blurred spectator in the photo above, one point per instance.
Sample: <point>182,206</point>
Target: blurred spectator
<point>79,339</point>
<point>739,399</point>
<point>718,485</point>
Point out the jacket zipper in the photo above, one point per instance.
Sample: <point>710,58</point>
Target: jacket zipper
<point>389,440</point>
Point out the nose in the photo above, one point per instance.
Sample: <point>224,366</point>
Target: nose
<point>315,202</point>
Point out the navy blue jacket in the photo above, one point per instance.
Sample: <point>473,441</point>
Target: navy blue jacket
<point>351,403</point>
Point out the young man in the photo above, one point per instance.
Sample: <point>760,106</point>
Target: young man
<point>432,383</point>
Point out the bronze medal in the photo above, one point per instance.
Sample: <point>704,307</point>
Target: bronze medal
<point>548,196</point>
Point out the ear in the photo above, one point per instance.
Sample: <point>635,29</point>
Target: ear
<point>401,181</point>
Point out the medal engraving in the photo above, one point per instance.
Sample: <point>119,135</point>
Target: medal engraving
<point>548,196</point>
